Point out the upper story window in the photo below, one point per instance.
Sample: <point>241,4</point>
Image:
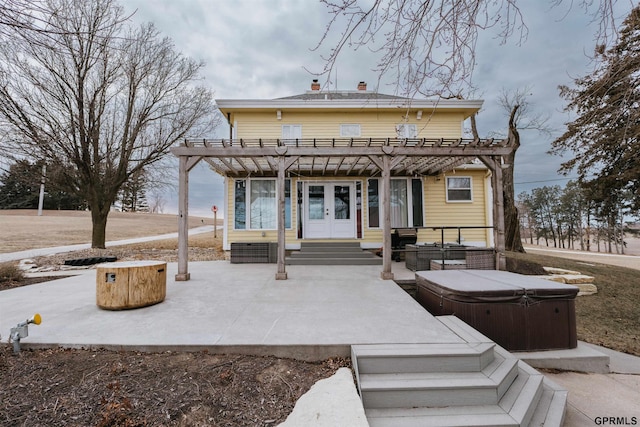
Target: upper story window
<point>290,133</point>
<point>350,130</point>
<point>406,130</point>
<point>459,189</point>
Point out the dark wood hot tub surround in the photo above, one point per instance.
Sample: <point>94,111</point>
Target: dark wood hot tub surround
<point>520,313</point>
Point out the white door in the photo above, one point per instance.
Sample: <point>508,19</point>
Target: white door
<point>329,211</point>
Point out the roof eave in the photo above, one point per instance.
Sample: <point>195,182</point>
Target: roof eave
<point>446,105</point>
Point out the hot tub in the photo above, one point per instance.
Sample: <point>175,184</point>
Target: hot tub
<point>520,313</point>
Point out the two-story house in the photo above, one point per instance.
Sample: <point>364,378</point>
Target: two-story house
<point>350,166</point>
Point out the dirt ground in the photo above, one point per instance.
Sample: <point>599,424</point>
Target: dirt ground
<point>103,388</point>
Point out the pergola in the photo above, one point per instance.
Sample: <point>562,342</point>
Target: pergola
<point>385,157</point>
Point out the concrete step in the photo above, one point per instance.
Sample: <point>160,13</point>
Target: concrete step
<point>333,254</point>
<point>391,358</point>
<point>476,383</point>
<point>438,389</point>
<point>450,416</point>
<point>333,261</point>
<point>534,401</point>
<point>305,245</point>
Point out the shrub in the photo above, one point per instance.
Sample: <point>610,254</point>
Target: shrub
<point>9,272</point>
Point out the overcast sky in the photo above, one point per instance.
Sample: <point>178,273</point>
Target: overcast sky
<point>263,49</point>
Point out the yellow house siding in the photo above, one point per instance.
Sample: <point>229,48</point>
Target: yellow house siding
<point>254,125</point>
<point>439,212</point>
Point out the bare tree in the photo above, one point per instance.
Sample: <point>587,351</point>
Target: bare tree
<point>156,203</point>
<point>428,47</point>
<point>521,117</point>
<point>101,98</point>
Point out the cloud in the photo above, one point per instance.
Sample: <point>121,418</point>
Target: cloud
<point>262,49</point>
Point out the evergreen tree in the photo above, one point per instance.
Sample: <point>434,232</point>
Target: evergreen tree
<point>605,137</point>
<point>20,188</point>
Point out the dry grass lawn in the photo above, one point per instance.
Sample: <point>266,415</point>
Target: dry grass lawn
<point>610,318</point>
<point>24,229</point>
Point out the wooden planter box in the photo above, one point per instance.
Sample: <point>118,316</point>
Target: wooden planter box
<point>130,284</point>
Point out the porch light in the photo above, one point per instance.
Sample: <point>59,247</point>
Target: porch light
<point>279,114</point>
<point>419,115</point>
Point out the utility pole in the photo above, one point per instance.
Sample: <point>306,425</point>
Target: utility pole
<point>41,199</point>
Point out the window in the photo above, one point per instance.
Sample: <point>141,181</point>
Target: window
<point>399,208</point>
<point>262,213</point>
<point>240,203</point>
<point>259,210</point>
<point>405,130</point>
<point>405,200</point>
<point>290,133</point>
<point>416,194</point>
<point>350,130</point>
<point>459,189</point>
<point>373,204</point>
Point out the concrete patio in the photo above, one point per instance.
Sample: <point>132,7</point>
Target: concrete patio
<point>240,308</point>
<point>318,312</point>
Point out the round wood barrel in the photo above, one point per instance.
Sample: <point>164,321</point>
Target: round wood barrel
<point>130,284</point>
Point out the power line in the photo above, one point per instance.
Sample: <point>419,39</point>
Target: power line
<point>550,180</point>
<point>545,180</point>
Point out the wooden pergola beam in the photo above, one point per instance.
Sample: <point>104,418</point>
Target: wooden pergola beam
<point>354,151</point>
<point>433,157</point>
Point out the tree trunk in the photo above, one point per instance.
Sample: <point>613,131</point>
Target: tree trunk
<point>513,240</point>
<point>99,227</point>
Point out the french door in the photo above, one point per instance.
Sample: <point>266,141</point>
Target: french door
<point>329,210</point>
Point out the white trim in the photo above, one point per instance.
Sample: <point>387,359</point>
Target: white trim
<point>334,228</point>
<point>372,103</point>
<point>446,189</point>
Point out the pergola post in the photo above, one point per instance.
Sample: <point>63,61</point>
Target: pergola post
<point>494,163</point>
<point>499,213</point>
<point>282,273</point>
<point>183,221</point>
<point>386,274</point>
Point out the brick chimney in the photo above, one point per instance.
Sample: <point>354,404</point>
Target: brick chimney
<point>315,85</point>
<point>362,86</point>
